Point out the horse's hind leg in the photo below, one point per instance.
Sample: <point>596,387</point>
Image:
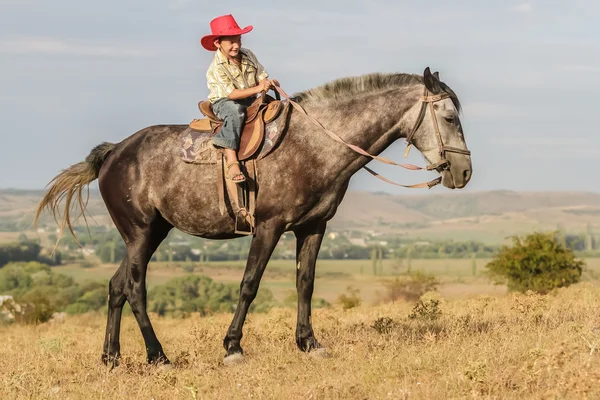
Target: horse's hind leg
<point>116,301</point>
<point>129,283</point>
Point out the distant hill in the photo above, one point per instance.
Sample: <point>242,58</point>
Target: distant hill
<point>486,216</point>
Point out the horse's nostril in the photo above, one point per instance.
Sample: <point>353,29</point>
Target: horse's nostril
<point>467,175</point>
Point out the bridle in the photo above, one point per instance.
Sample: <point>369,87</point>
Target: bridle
<point>439,166</point>
<point>443,164</point>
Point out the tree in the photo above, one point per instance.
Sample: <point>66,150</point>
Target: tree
<point>111,251</point>
<point>539,262</point>
<point>26,251</point>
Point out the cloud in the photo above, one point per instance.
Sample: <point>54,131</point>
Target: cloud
<point>56,46</point>
<point>523,8</point>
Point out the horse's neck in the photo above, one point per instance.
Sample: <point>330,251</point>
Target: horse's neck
<point>371,123</point>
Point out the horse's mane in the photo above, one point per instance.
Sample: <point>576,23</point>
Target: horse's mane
<point>343,89</point>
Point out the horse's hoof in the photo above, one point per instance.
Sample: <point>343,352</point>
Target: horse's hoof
<point>320,352</point>
<point>110,360</point>
<point>232,359</point>
<point>159,360</point>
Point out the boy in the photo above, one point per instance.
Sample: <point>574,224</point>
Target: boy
<point>234,78</point>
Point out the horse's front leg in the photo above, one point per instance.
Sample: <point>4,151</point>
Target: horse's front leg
<point>309,240</point>
<point>261,248</point>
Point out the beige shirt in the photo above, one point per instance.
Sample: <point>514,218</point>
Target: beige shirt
<point>223,75</point>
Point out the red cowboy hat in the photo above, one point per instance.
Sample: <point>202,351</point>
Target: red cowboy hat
<point>224,25</point>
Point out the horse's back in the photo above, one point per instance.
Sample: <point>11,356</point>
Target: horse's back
<point>146,172</point>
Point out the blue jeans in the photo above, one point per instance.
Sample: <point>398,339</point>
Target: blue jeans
<point>233,114</point>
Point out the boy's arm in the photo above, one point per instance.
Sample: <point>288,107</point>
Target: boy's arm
<point>221,86</point>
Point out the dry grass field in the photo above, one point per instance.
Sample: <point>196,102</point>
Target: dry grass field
<point>515,346</point>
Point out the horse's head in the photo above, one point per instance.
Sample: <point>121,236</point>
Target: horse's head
<point>438,134</point>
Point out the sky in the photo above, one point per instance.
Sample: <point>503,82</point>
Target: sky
<point>74,74</point>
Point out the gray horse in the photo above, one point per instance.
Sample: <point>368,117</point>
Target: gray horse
<point>148,189</point>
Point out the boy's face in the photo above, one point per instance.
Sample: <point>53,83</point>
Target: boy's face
<point>229,45</point>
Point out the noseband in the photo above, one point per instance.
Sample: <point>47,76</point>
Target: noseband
<point>443,164</point>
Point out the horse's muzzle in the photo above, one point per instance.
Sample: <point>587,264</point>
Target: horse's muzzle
<point>459,172</point>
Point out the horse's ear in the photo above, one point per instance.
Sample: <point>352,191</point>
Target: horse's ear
<point>437,75</point>
<point>431,82</point>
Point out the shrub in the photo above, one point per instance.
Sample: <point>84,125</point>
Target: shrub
<point>35,308</point>
<point>263,302</point>
<point>409,287</point>
<point>189,268</point>
<point>39,292</point>
<point>95,297</point>
<point>87,264</point>
<point>384,325</point>
<point>14,277</point>
<point>350,299</point>
<point>538,262</point>
<point>426,309</point>
<point>197,293</point>
<point>291,300</point>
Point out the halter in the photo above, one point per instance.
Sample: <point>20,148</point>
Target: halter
<point>443,164</point>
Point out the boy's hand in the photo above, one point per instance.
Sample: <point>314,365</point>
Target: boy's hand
<point>264,85</point>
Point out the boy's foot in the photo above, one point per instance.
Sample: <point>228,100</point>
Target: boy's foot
<point>234,173</point>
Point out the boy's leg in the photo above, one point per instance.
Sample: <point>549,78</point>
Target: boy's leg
<point>233,115</point>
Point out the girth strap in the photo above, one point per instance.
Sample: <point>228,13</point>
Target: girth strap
<point>221,182</point>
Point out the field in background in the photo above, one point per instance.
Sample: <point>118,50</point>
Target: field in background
<point>483,216</point>
<point>504,347</point>
<point>333,276</point>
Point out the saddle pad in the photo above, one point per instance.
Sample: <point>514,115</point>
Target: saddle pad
<point>274,131</point>
<point>196,147</point>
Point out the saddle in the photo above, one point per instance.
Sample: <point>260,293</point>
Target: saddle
<point>262,111</point>
<point>242,197</point>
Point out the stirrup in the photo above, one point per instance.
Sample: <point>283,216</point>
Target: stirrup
<point>230,178</point>
<point>242,214</point>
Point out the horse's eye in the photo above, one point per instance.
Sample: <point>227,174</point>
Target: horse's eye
<point>449,120</point>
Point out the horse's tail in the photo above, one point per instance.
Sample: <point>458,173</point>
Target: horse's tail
<point>69,184</point>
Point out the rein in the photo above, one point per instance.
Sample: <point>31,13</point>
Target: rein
<point>443,164</point>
